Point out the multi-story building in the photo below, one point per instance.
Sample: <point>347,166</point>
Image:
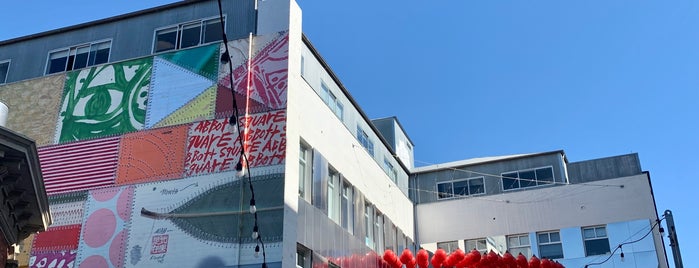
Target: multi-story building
<point>132,116</point>
<point>540,204</point>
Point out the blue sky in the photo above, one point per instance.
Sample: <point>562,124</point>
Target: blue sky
<point>482,78</point>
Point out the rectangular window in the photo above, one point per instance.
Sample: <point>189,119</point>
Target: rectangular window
<point>477,244</point>
<point>369,225</point>
<point>188,34</point>
<point>303,257</point>
<point>305,167</point>
<point>363,139</point>
<point>550,246</point>
<point>527,178</point>
<point>519,244</point>
<point>4,69</point>
<point>461,187</point>
<point>333,195</point>
<point>331,100</point>
<point>378,230</point>
<point>596,240</point>
<point>390,170</point>
<point>449,246</point>
<point>78,57</point>
<point>347,209</point>
<point>303,66</point>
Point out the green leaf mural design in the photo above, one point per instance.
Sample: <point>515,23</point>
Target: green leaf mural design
<point>104,100</point>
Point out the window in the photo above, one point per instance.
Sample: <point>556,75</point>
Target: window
<point>364,140</point>
<point>305,167</point>
<point>334,195</point>
<point>465,187</point>
<point>519,244</point>
<point>347,207</point>
<point>527,178</point>
<point>303,257</point>
<point>4,69</point>
<point>390,170</point>
<point>448,246</point>
<point>378,231</point>
<point>477,244</point>
<point>550,245</point>
<point>332,101</point>
<point>303,66</point>
<point>596,240</point>
<point>77,57</point>
<point>187,34</point>
<point>369,225</point>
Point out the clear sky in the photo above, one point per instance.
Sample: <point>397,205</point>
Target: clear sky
<point>470,79</point>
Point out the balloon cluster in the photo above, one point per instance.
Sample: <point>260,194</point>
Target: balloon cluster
<point>460,259</point>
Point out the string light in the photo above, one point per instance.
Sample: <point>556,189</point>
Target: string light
<point>255,233</point>
<point>619,247</point>
<point>253,208</point>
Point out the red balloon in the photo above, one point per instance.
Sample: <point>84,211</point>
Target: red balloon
<point>439,256</point>
<point>545,263</point>
<point>534,262</point>
<point>423,258</point>
<point>522,261</point>
<point>406,256</point>
<point>509,260</point>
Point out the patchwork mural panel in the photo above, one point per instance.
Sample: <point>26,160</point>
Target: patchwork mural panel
<point>23,98</point>
<point>105,227</point>
<point>156,154</point>
<point>268,80</point>
<point>205,213</point>
<point>59,259</point>
<point>79,165</point>
<point>213,145</point>
<point>104,100</point>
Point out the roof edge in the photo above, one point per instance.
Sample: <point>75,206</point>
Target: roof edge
<point>486,160</point>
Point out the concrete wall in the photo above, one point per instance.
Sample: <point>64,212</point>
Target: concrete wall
<point>604,168</point>
<point>564,208</point>
<point>131,37</point>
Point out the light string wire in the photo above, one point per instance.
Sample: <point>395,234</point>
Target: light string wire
<point>619,247</point>
<point>243,162</point>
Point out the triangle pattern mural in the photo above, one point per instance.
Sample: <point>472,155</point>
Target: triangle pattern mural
<point>201,60</point>
<point>198,109</point>
<point>172,86</point>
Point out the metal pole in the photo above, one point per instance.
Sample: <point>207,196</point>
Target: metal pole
<point>674,244</point>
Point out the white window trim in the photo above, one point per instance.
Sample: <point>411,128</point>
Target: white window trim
<point>582,230</point>
<point>502,175</point>
<point>9,65</point>
<point>454,196</point>
<point>559,242</point>
<point>48,55</point>
<point>484,250</point>
<point>510,247</point>
<point>179,27</point>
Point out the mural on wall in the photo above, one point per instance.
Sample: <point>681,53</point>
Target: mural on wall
<point>22,99</point>
<point>57,247</point>
<point>59,259</point>
<point>213,145</point>
<point>152,155</point>
<point>105,227</point>
<point>269,76</point>
<point>220,239</point>
<point>79,165</point>
<point>104,100</point>
<point>180,78</point>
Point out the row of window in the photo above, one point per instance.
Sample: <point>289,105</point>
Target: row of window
<point>595,240</point>
<point>527,178</point>
<point>341,203</point>
<point>461,187</point>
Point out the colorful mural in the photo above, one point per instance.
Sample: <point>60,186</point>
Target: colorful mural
<point>104,100</point>
<point>153,133</point>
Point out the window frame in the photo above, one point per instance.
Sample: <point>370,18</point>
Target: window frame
<point>369,236</point>
<point>89,61</point>
<point>519,237</point>
<point>559,243</point>
<point>332,101</point>
<point>450,245</point>
<point>3,80</point>
<point>305,255</point>
<point>305,181</point>
<point>477,240</point>
<point>179,33</point>
<point>605,237</point>
<point>364,140</point>
<point>537,183</point>
<point>452,195</point>
<point>390,170</point>
<point>334,195</point>
<point>347,206</point>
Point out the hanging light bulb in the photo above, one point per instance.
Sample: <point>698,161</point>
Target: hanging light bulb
<point>253,208</point>
<point>257,251</point>
<point>255,234</point>
<point>240,171</point>
<point>622,256</point>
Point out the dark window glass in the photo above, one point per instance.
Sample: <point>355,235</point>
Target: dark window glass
<point>551,251</point>
<point>4,69</point>
<point>544,175</point>
<point>509,181</point>
<point>444,190</point>
<point>527,178</point>
<point>166,39</point>
<point>597,247</point>
<point>191,34</point>
<point>81,57</point>
<point>475,186</point>
<point>212,31</point>
<point>461,188</point>
<point>102,56</point>
<point>57,65</point>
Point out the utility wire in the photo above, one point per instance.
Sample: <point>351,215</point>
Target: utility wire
<point>619,247</point>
